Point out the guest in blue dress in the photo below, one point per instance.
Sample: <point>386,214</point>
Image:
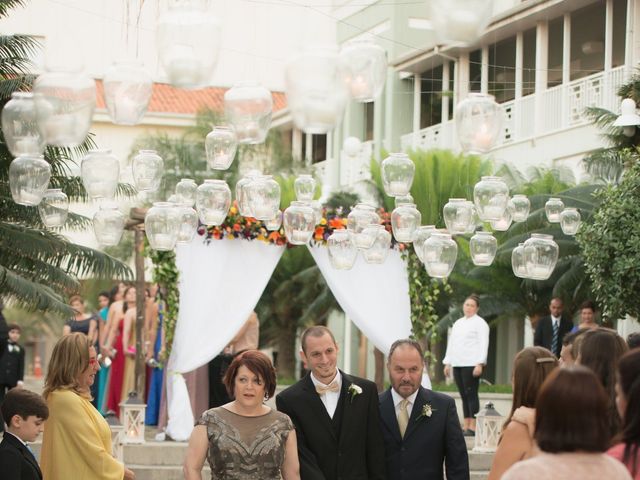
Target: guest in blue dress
<point>155,312</point>
<point>103,374</point>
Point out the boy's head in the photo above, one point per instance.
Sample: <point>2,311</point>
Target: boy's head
<point>24,412</point>
<point>14,332</point>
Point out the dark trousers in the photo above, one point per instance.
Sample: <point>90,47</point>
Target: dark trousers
<point>468,388</point>
<point>217,392</point>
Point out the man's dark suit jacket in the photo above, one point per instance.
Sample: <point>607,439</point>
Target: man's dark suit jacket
<point>12,367</point>
<point>347,447</point>
<point>428,442</point>
<point>544,333</point>
<point>16,461</point>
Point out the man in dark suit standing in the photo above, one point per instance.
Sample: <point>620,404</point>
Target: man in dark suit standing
<point>335,416</point>
<point>421,428</point>
<point>551,329</point>
<point>11,364</point>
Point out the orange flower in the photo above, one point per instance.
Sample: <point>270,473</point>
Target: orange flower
<point>237,227</point>
<point>319,233</point>
<point>273,236</point>
<point>216,234</point>
<point>336,224</point>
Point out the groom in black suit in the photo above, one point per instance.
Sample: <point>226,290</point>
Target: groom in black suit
<point>551,329</point>
<point>421,428</point>
<point>335,416</point>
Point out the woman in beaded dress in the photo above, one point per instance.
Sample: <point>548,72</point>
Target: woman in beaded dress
<point>245,439</point>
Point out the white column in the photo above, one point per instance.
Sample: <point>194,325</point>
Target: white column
<point>347,344</point>
<point>608,35</point>
<point>542,64</point>
<point>630,49</point>
<point>519,63</point>
<point>308,149</point>
<point>445,89</point>
<point>417,92</point>
<point>378,115</point>
<point>462,81</point>
<point>566,67</point>
<point>296,144</point>
<point>484,70</point>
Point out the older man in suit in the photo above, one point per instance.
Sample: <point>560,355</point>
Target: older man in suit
<point>421,428</point>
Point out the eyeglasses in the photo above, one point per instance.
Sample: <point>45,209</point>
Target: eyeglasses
<point>93,361</point>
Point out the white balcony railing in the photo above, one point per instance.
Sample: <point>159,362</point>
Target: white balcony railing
<point>553,110</point>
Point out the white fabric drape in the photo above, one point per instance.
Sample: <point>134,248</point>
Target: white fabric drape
<point>220,284</point>
<point>374,297</point>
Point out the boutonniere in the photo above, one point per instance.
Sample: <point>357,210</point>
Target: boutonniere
<point>426,412</point>
<point>354,390</point>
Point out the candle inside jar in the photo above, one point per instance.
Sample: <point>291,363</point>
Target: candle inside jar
<point>262,211</point>
<point>220,161</point>
<point>492,212</point>
<point>164,241</point>
<point>28,197</point>
<point>404,235</point>
<point>54,219</point>
<point>437,269</point>
<point>398,188</point>
<point>213,218</point>
<point>300,237</point>
<point>340,262</point>
<point>482,259</point>
<point>374,256</point>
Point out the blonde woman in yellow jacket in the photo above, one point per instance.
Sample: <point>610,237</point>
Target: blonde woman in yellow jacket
<point>77,440</point>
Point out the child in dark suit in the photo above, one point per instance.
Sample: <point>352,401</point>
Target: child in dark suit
<point>25,413</point>
<point>11,364</point>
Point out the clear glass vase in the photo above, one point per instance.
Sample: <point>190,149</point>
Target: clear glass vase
<point>405,220</point>
<point>221,145</point>
<point>305,187</point>
<point>440,252</point>
<point>365,64</point>
<point>100,172</point>
<point>28,179</point>
<point>20,126</point>
<point>483,247</point>
<point>127,92</point>
<point>213,200</point>
<point>162,224</point>
<point>299,222</point>
<point>397,174</point>
<point>54,208</point>
<point>147,169</point>
<point>570,221</point>
<point>479,121</point>
<point>108,224</point>
<point>186,191</point>
<point>490,197</point>
<point>247,107</point>
<point>342,251</point>
<point>263,193</point>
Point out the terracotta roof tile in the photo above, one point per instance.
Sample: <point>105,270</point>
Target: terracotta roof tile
<point>168,99</point>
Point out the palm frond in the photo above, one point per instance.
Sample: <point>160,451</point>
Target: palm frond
<point>31,295</point>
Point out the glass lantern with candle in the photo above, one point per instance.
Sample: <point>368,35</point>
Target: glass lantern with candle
<point>127,91</point>
<point>521,208</point>
<point>132,413</point>
<point>20,126</point>
<point>379,250</point>
<point>147,170</point>
<point>242,196</point>
<point>247,107</point>
<point>186,191</point>
<point>570,221</point>
<point>263,193</point>
<point>365,64</point>
<point>419,237</point>
<point>28,179</point>
<point>299,222</point>
<point>188,39</point>
<point>100,172</point>
<point>367,236</point>
<point>342,251</point>
<point>162,224</point>
<point>274,223</point>
<point>489,425</point>
<point>458,215</point>
<point>505,221</point>
<point>318,210</point>
<point>490,197</point>
<point>360,217</point>
<point>540,256</point>
<point>221,145</point>
<point>460,21</point>
<point>188,223</point>
<point>305,187</point>
<point>213,200</point>
<point>54,208</point>
<point>108,224</point>
<point>483,247</point>
<point>405,220</point>
<point>397,174</point>
<point>517,262</point>
<point>478,122</point>
<point>440,252</point>
<point>552,209</point>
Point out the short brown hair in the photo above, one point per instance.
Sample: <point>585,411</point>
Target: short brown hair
<point>25,403</point>
<point>571,412</point>
<point>316,331</point>
<point>14,326</point>
<point>259,364</point>
<point>405,342</point>
<point>76,298</point>
<point>70,357</point>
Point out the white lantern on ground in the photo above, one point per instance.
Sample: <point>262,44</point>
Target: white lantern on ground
<point>342,250</point>
<point>460,20</point>
<point>552,209</point>
<point>247,107</point>
<point>379,250</point>
<point>405,220</point>
<point>521,207</point>
<point>147,170</point>
<point>100,172</point>
<point>570,221</point>
<point>186,191</point>
<point>478,122</point>
<point>419,237</point>
<point>65,100</point>
<point>28,179</point>
<point>20,126</point>
<point>505,221</point>
<point>162,224</point>
<point>540,256</point>
<point>132,412</point>
<point>440,252</point>
<point>316,90</point>
<point>352,146</point>
<point>242,196</point>
<point>108,224</point>
<point>518,265</point>
<point>305,187</point>
<point>127,91</point>
<point>263,193</point>
<point>188,223</point>
<point>275,223</point>
<point>299,222</point>
<point>397,174</point>
<point>365,64</point>
<point>213,200</point>
<point>488,429</point>
<point>117,434</point>
<point>359,218</point>
<point>221,145</point>
<point>54,208</point>
<point>458,215</point>
<point>188,43</point>
<point>490,196</point>
<point>483,247</point>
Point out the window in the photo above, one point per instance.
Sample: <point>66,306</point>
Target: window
<point>318,148</point>
<point>556,35</point>
<point>587,40</point>
<point>368,121</point>
<point>619,32</point>
<point>475,71</point>
<point>529,62</point>
<point>502,70</point>
<point>431,97</point>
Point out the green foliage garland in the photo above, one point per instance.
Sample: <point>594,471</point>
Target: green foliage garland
<point>165,274</point>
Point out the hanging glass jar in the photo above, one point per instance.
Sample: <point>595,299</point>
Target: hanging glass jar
<point>275,223</point>
<point>316,90</point>
<point>263,193</point>
<point>365,64</point>
<point>108,224</point>
<point>405,220</point>
<point>397,174</point>
<point>213,200</point>
<point>162,224</point>
<point>189,40</point>
<point>241,193</point>
<point>440,253</point>
<point>360,217</point>
<point>521,207</point>
<point>127,91</point>
<point>570,221</point>
<point>20,126</point>
<point>342,250</point>
<point>483,247</point>
<point>553,208</point>
<point>54,208</point>
<point>456,21</point>
<point>404,199</point>
<point>299,222</point>
<point>247,107</point>
<point>186,191</point>
<point>379,250</point>
<point>419,237</point>
<point>188,223</point>
<point>518,264</point>
<point>458,215</point>
<point>28,179</point>
<point>505,221</point>
<point>364,240</point>
<point>478,122</point>
<point>65,100</point>
<point>540,256</point>
<point>221,145</point>
<point>147,169</point>
<point>318,210</point>
<point>475,219</point>
<point>305,187</point>
<point>490,196</point>
<point>100,172</point>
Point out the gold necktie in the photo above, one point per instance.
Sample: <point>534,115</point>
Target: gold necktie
<point>332,387</point>
<point>403,417</point>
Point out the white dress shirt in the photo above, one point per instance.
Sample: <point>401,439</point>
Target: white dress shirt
<point>468,343</point>
<point>329,399</point>
<point>397,398</point>
<point>555,321</point>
